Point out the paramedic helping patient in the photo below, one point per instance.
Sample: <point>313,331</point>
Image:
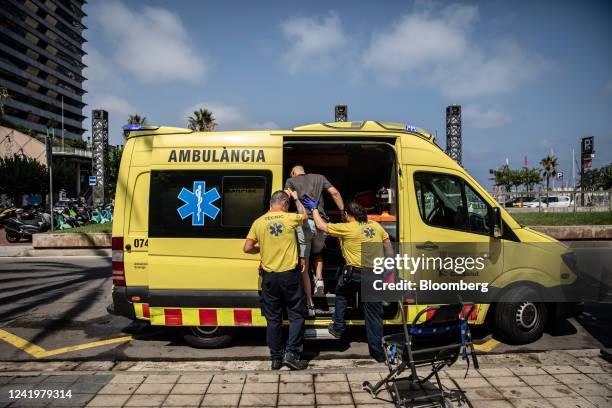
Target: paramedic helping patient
<point>311,239</point>
<point>356,231</point>
<point>282,288</point>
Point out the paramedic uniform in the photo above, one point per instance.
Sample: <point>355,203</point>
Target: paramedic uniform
<point>351,236</point>
<point>282,287</point>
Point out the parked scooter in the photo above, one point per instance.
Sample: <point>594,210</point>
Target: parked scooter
<point>6,214</point>
<point>17,228</point>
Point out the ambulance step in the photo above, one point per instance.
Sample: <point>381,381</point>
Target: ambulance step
<point>317,333</point>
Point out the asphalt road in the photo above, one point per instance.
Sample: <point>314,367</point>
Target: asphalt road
<point>58,305</point>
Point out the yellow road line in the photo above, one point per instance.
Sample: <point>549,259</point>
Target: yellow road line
<point>487,345</point>
<point>39,352</point>
<point>87,346</point>
<point>32,349</point>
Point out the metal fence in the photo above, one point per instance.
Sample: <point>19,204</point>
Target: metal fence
<point>555,201</point>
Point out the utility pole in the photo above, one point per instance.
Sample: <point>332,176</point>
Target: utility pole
<point>49,151</point>
<point>62,122</point>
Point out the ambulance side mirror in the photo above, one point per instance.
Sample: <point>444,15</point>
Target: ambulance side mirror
<point>495,221</point>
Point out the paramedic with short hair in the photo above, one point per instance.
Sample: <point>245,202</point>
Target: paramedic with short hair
<point>282,288</point>
<point>356,231</point>
<point>311,239</point>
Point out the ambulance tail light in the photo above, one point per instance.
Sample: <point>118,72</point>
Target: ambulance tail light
<point>117,261</point>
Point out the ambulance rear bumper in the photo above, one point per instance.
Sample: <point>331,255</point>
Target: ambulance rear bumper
<point>121,306</point>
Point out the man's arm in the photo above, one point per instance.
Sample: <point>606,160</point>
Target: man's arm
<point>249,246</point>
<point>388,248</point>
<point>319,221</point>
<point>337,197</point>
<point>298,204</point>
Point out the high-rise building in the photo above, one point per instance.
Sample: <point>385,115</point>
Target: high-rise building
<point>41,52</point>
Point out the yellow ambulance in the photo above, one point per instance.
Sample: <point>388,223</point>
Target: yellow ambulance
<point>185,200</point>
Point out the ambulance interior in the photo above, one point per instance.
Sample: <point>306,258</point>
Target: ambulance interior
<point>363,171</point>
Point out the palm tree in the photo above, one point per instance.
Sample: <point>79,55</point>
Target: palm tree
<point>530,177</point>
<point>202,121</point>
<point>502,177</point>
<point>135,119</point>
<point>549,168</point>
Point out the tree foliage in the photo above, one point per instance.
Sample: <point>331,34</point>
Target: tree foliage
<point>21,175</point>
<point>508,178</point>
<point>113,159</point>
<point>64,177</point>
<point>549,168</point>
<point>136,119</point>
<point>202,121</point>
<point>598,179</point>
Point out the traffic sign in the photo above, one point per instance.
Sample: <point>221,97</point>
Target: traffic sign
<point>93,180</point>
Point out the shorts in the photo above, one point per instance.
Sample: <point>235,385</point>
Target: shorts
<point>311,239</point>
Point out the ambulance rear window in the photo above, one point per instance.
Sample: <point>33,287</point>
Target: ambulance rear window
<point>206,203</point>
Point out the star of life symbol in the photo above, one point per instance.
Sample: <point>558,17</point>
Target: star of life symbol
<point>198,203</point>
<point>275,229</point>
<point>369,232</point>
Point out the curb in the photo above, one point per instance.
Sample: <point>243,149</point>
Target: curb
<point>71,240</point>
<point>575,232</point>
<point>546,358</point>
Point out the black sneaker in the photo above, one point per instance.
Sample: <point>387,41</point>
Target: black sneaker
<point>277,364</point>
<point>293,361</point>
<point>333,331</point>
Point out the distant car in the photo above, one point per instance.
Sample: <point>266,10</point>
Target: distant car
<point>550,202</point>
<point>61,204</point>
<point>519,201</point>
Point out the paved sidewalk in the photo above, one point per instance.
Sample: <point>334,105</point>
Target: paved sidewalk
<point>530,380</point>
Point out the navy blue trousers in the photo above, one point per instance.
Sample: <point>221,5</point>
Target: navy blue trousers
<point>283,291</point>
<point>372,311</point>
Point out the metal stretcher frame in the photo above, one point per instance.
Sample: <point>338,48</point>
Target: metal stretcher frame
<point>406,356</point>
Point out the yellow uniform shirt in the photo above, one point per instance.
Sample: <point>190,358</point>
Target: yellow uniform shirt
<point>352,234</point>
<point>275,232</point>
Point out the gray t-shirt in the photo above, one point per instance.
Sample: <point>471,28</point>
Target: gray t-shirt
<point>311,185</point>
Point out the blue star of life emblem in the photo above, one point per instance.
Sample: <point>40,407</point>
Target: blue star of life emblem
<point>275,229</point>
<point>198,203</point>
<point>369,232</point>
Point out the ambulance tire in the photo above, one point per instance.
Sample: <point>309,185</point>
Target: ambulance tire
<point>518,321</point>
<point>206,337</point>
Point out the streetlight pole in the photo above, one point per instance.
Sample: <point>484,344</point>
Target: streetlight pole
<point>62,122</point>
<point>49,148</point>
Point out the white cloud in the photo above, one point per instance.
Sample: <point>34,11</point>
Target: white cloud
<point>229,117</point>
<point>152,43</point>
<point>438,50</point>
<point>313,42</point>
<point>475,116</point>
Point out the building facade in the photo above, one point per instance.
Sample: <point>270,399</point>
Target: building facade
<point>41,68</point>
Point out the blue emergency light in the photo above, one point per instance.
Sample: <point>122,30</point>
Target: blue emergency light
<point>132,126</point>
<point>411,128</point>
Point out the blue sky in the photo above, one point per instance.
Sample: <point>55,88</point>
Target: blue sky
<point>531,76</point>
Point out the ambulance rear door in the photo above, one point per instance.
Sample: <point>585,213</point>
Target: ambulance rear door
<point>206,190</point>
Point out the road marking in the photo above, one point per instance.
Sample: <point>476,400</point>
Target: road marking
<point>487,345</point>
<point>39,352</point>
<point>22,344</point>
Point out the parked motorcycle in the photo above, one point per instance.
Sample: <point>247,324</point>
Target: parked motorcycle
<point>6,214</point>
<point>18,228</point>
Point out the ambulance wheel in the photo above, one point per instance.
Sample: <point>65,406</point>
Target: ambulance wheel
<point>519,317</point>
<point>208,336</point>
